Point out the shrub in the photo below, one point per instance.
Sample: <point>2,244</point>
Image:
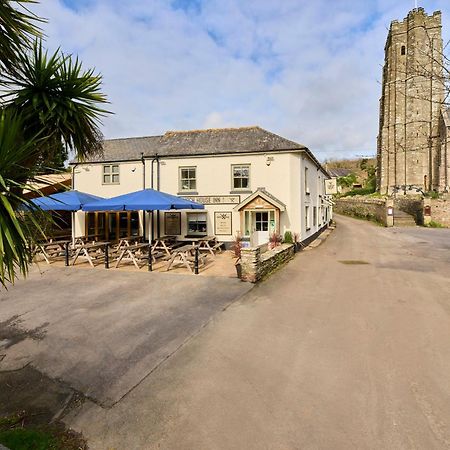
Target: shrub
<point>274,240</point>
<point>288,239</point>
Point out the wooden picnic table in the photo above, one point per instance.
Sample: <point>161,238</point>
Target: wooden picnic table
<point>204,243</point>
<point>51,250</point>
<point>90,252</point>
<point>136,254</point>
<point>184,255</point>
<point>127,241</point>
<point>89,238</point>
<point>166,244</point>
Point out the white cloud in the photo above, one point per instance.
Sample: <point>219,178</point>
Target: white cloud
<point>307,70</point>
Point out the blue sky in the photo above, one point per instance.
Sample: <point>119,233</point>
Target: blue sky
<point>308,70</point>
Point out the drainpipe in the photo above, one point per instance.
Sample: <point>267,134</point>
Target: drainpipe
<point>73,212</point>
<point>143,187</point>
<point>155,159</point>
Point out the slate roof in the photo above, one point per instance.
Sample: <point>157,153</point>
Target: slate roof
<point>196,142</point>
<point>339,172</point>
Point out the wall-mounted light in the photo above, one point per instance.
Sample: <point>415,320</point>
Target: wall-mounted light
<point>133,169</point>
<point>269,160</point>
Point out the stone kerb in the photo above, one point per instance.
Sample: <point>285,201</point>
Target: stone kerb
<point>257,262</point>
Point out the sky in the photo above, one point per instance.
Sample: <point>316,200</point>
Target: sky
<point>308,70</point>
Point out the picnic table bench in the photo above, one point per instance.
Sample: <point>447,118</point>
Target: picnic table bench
<point>136,253</point>
<point>185,255</point>
<point>50,250</point>
<point>91,252</point>
<point>166,244</point>
<point>206,243</point>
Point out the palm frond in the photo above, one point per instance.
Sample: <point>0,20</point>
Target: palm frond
<point>55,94</point>
<point>17,26</point>
<point>17,229</point>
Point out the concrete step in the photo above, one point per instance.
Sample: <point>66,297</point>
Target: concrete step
<point>402,219</point>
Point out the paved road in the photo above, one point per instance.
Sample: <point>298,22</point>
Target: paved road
<point>102,331</point>
<point>324,355</point>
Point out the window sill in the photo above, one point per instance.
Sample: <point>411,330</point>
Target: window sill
<point>241,191</point>
<point>187,193</point>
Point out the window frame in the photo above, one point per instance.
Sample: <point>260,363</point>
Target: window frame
<point>196,215</point>
<point>307,218</point>
<point>180,178</point>
<point>240,189</point>
<point>307,191</point>
<point>110,174</point>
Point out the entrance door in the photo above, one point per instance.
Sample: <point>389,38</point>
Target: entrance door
<point>261,232</point>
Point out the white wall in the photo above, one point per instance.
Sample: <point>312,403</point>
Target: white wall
<point>283,178</point>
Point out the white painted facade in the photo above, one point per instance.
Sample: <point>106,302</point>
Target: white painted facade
<point>292,179</point>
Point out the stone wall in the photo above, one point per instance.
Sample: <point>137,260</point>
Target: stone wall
<point>440,211</point>
<point>257,262</point>
<point>411,205</point>
<point>374,209</point>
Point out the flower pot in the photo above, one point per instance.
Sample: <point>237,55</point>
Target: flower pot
<point>238,269</point>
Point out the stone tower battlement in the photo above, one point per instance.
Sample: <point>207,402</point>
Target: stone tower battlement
<point>410,105</point>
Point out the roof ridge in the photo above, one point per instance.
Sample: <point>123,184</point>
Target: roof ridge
<point>203,130</point>
<point>133,137</point>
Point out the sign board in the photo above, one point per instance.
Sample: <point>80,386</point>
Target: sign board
<point>172,223</point>
<point>223,223</point>
<point>216,199</point>
<point>331,186</point>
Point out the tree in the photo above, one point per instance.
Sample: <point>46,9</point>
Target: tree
<point>48,105</point>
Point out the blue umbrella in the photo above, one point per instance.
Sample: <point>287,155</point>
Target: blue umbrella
<point>144,200</point>
<point>64,201</point>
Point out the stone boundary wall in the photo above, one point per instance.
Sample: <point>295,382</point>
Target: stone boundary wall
<point>440,210</point>
<point>411,205</point>
<point>374,209</point>
<point>257,262</point>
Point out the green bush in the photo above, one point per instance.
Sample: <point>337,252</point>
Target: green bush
<point>288,238</point>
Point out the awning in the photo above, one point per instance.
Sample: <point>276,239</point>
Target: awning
<point>64,201</point>
<point>144,200</point>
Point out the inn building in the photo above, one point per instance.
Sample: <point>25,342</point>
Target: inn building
<point>251,181</point>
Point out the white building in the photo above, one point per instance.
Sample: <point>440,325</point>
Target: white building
<point>251,182</point>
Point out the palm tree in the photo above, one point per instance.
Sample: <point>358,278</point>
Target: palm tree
<point>58,98</point>
<point>47,102</point>
<point>17,230</point>
<point>16,28</point>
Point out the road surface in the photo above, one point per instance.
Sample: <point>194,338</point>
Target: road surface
<point>348,347</point>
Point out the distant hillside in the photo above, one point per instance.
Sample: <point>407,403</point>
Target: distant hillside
<point>356,173</point>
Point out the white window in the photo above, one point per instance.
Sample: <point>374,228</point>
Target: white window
<point>188,178</point>
<point>241,176</point>
<point>306,181</point>
<point>196,224</point>
<point>111,174</point>
<point>307,223</point>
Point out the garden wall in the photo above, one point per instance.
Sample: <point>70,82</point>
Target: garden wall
<point>440,210</point>
<point>257,262</point>
<point>374,209</point>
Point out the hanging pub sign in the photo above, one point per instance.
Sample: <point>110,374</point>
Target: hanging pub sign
<point>331,186</point>
<point>172,223</point>
<point>216,199</point>
<point>223,223</point>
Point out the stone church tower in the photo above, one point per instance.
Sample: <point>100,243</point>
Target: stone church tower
<point>412,140</point>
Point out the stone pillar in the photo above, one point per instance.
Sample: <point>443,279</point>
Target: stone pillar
<point>250,260</point>
<point>389,207</point>
<point>426,211</point>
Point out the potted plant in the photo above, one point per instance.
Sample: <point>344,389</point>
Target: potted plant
<point>274,240</point>
<point>237,246</point>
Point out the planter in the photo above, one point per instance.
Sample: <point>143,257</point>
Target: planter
<point>238,266</point>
